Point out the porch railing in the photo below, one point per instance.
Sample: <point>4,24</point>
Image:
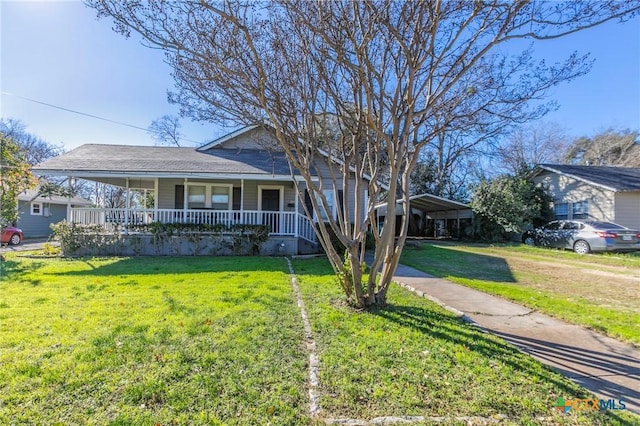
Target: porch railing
<point>279,223</point>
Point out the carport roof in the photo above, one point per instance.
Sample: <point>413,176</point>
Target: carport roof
<point>431,203</point>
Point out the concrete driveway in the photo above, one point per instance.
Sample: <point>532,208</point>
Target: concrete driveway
<point>26,245</point>
<point>607,367</point>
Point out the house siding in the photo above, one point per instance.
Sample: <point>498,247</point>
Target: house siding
<point>37,226</point>
<point>167,188</point>
<point>627,209</point>
<point>564,189</point>
<point>323,170</point>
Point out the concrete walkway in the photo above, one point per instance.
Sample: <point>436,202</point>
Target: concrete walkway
<point>607,367</point>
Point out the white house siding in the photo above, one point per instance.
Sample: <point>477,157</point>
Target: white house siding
<point>568,190</point>
<point>627,210</point>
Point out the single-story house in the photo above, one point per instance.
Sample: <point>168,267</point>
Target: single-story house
<point>240,178</point>
<point>609,194</point>
<point>37,212</point>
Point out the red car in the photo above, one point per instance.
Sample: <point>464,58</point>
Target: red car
<point>11,235</point>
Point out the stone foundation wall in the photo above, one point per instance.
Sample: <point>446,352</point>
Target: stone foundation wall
<point>182,245</point>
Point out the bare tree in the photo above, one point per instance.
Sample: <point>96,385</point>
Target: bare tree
<point>529,145</point>
<point>395,75</point>
<point>609,148</point>
<point>35,149</point>
<point>166,130</point>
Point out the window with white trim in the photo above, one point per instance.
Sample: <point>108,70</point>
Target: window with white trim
<point>210,196</point>
<point>220,197</point>
<point>36,209</point>
<point>196,197</point>
<point>331,204</point>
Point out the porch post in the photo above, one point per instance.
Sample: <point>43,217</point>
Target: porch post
<point>155,200</point>
<point>126,209</point>
<point>69,199</point>
<point>185,200</point>
<point>242,218</point>
<point>296,219</point>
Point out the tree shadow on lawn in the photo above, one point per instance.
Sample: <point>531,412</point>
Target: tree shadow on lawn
<point>445,261</point>
<point>177,265</point>
<point>11,270</point>
<point>455,330</point>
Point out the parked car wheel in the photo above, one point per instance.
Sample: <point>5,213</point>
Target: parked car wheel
<point>529,240</point>
<point>14,240</point>
<point>581,247</point>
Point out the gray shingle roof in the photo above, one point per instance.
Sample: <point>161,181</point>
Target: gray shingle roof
<point>31,195</point>
<point>155,159</point>
<point>614,178</point>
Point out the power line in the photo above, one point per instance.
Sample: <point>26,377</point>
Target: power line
<point>87,114</point>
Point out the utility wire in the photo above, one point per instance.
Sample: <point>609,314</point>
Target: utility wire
<point>87,114</point>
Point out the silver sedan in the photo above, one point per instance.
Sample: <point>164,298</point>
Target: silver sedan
<point>584,236</point>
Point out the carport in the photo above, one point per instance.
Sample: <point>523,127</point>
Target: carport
<point>432,216</point>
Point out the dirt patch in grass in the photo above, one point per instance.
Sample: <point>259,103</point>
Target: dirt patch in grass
<point>603,288</point>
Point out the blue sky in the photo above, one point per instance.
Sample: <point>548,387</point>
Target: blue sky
<point>59,53</point>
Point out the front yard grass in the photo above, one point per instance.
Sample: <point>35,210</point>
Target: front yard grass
<point>150,341</point>
<point>415,358</point>
<point>190,341</point>
<point>597,291</point>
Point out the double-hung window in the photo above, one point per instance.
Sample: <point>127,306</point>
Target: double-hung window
<point>36,209</point>
<point>561,210</point>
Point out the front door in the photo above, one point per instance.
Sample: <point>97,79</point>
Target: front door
<point>271,203</point>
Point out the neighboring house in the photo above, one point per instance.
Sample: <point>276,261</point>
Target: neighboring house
<point>241,178</point>
<point>36,212</point>
<point>609,194</point>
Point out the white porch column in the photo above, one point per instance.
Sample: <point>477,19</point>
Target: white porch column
<point>296,219</point>
<point>185,200</point>
<point>156,184</point>
<point>127,206</point>
<point>69,186</point>
<point>242,218</point>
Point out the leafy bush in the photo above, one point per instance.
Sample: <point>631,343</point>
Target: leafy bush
<point>245,238</point>
<point>507,205</point>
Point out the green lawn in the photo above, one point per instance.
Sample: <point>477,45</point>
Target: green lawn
<point>150,341</point>
<point>189,341</point>
<point>598,291</point>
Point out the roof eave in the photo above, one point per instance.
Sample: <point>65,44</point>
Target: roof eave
<point>578,178</point>
<point>160,175</point>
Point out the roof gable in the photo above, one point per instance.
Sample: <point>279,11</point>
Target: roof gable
<point>249,137</point>
<point>617,179</point>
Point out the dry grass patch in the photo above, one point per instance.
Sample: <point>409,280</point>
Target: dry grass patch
<point>598,291</point>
